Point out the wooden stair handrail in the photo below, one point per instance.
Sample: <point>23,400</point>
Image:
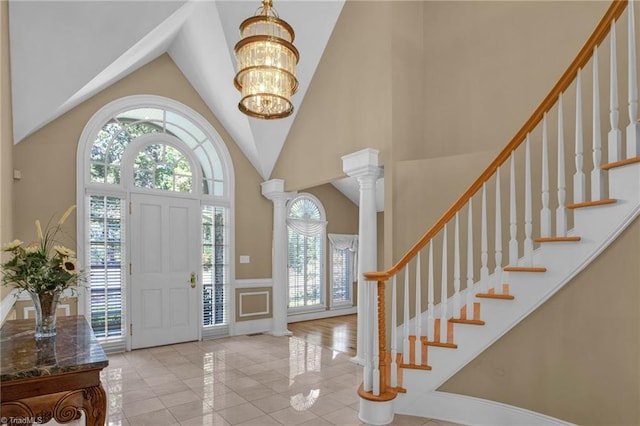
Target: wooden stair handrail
<point>598,35</point>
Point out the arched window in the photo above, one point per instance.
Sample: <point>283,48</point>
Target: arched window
<point>150,145</point>
<point>113,136</point>
<point>306,240</point>
<point>164,167</point>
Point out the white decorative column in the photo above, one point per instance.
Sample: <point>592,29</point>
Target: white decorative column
<point>363,165</point>
<point>274,190</point>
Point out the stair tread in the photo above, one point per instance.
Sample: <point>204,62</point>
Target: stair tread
<point>495,296</point>
<point>466,321</point>
<point>621,163</point>
<point>416,367</point>
<point>440,345</point>
<point>591,203</point>
<point>556,239</point>
<point>524,269</point>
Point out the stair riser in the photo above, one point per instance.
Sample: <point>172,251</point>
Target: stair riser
<point>624,183</point>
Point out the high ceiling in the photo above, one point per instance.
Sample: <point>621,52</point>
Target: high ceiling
<point>64,52</point>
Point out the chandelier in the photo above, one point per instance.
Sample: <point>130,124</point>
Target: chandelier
<point>267,62</point>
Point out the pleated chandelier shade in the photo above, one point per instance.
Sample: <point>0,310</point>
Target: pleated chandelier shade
<point>267,60</point>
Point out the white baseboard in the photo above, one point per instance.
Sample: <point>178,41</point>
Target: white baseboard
<point>306,316</point>
<point>468,410</point>
<point>252,326</point>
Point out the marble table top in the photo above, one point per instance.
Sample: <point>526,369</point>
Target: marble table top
<point>74,348</point>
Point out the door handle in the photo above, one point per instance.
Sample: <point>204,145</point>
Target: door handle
<point>193,280</point>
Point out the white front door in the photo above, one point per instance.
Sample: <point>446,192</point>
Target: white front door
<point>165,240</point>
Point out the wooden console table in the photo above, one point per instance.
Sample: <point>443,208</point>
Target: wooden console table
<point>49,378</point>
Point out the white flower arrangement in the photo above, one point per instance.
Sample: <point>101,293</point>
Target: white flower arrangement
<point>42,267</point>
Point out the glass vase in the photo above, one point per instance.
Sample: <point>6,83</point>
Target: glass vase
<point>46,305</point>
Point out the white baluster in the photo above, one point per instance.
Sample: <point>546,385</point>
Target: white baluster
<point>614,142</point>
<point>367,374</point>
<point>633,137</point>
<point>376,346</point>
<point>394,325</point>
<point>430,284</point>
<point>545,212</point>
<point>456,268</point>
<point>418,342</point>
<point>513,224</point>
<point>578,177</point>
<point>528,213</point>
<point>443,289</point>
<point>469,302</point>
<point>406,344</point>
<point>597,182</point>
<point>484,251</point>
<point>561,210</point>
<point>497,272</point>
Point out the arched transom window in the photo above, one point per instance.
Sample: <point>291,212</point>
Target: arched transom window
<point>158,166</point>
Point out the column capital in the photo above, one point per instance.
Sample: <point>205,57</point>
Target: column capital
<point>363,163</point>
<point>274,190</point>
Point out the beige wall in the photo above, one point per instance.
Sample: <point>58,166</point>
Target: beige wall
<point>47,161</point>
<point>342,213</point>
<point>487,67</point>
<point>6,137</point>
<point>348,104</point>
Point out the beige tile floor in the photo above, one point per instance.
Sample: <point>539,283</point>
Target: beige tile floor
<point>247,380</point>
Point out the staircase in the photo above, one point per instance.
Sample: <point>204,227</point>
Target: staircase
<point>448,318</point>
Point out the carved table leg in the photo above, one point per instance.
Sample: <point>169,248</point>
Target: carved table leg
<point>95,405</point>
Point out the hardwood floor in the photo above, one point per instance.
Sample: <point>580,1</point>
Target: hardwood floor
<point>336,333</point>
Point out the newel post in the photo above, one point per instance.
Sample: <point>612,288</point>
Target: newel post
<point>274,190</point>
<point>363,165</point>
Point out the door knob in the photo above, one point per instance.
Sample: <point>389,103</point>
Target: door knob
<point>193,280</point>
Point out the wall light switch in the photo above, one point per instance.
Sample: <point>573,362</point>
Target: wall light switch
<point>17,174</point>
<point>245,259</point>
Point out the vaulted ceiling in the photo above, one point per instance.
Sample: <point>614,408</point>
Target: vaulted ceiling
<point>64,52</point>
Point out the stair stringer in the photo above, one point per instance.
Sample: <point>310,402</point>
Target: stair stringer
<point>597,226</point>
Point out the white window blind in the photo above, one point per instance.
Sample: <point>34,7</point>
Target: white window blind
<point>214,266</point>
<point>344,249</point>
<point>106,275</point>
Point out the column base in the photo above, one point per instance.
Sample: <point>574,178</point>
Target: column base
<point>376,412</point>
